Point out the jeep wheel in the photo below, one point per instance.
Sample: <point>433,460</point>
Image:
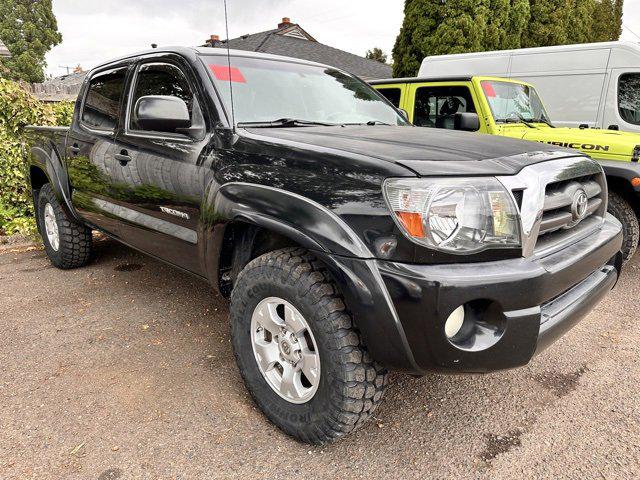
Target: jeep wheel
<point>298,351</point>
<point>620,208</point>
<point>67,243</point>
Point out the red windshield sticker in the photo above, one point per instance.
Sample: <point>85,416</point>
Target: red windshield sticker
<point>226,74</point>
<point>488,89</point>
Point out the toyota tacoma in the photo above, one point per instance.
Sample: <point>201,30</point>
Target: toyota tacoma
<point>349,242</point>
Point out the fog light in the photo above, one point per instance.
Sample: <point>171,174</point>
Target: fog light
<point>454,323</point>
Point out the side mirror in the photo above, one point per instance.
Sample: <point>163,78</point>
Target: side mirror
<point>404,114</point>
<point>468,122</point>
<point>161,113</point>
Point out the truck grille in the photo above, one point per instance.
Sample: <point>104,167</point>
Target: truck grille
<point>560,201</point>
<point>569,202</point>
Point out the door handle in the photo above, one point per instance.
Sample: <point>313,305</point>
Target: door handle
<point>75,149</point>
<point>123,157</point>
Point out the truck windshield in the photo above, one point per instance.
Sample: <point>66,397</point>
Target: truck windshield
<point>274,93</point>
<point>514,102</point>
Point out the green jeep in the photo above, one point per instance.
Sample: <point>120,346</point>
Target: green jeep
<point>512,108</point>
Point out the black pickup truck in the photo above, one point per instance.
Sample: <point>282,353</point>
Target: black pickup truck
<point>349,242</point>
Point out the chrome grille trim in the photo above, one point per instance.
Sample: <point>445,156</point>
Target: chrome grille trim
<point>534,180</point>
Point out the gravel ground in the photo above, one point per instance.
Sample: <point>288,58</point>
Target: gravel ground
<point>124,370</point>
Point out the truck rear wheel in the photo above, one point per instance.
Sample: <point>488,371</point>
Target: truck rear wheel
<point>620,208</point>
<point>68,244</point>
<point>298,351</point>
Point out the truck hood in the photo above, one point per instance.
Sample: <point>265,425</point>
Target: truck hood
<point>599,144</point>
<point>426,151</point>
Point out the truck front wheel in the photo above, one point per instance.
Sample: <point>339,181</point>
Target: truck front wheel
<point>620,208</point>
<point>298,351</point>
<point>67,243</point>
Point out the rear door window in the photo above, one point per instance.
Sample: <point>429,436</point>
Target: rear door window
<point>392,94</point>
<point>629,97</point>
<point>437,106</point>
<point>101,107</point>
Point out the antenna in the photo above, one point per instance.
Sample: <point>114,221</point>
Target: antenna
<point>226,26</point>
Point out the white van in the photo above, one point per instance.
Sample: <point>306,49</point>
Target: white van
<point>594,84</point>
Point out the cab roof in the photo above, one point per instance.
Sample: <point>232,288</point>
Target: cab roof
<point>421,79</point>
<point>208,51</point>
<point>390,81</point>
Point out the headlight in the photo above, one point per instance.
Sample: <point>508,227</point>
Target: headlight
<point>455,215</point>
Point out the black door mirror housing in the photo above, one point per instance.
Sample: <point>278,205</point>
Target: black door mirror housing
<point>466,121</point>
<point>161,113</point>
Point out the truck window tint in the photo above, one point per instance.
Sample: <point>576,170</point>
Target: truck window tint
<point>102,103</point>
<point>391,94</point>
<point>160,79</point>
<point>437,106</point>
<point>629,97</point>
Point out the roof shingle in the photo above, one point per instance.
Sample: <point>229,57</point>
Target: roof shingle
<point>274,42</point>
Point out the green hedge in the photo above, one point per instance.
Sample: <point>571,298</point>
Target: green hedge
<point>19,108</point>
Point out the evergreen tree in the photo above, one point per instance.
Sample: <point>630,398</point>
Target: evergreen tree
<point>579,20</point>
<point>517,21</point>
<point>29,29</point>
<point>376,54</point>
<point>548,25</point>
<point>496,31</point>
<point>436,27</point>
<point>421,18</point>
<point>607,21</point>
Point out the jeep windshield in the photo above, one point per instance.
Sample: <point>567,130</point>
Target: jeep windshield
<point>276,93</point>
<point>514,103</point>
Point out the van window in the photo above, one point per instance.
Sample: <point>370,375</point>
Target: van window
<point>392,94</point>
<point>102,103</point>
<point>437,106</point>
<point>629,97</point>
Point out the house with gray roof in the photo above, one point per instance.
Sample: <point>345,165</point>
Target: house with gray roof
<point>291,40</point>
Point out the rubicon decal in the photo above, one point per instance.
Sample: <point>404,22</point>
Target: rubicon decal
<point>580,146</point>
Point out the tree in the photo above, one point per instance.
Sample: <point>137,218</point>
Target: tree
<point>548,25</point>
<point>495,34</point>
<point>517,21</point>
<point>376,54</point>
<point>421,18</point>
<point>437,27</point>
<point>29,30</point>
<point>607,21</point>
<point>579,21</point>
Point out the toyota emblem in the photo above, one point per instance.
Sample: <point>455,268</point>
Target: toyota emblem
<point>579,205</point>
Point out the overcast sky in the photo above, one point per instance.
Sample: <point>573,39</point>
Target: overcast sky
<point>94,31</point>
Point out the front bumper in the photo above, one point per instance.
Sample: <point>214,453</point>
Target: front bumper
<point>519,306</point>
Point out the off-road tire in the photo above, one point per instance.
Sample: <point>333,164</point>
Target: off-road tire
<point>351,384</point>
<point>75,239</point>
<point>620,208</point>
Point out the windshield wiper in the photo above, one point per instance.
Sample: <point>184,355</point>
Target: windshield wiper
<point>545,121</point>
<point>519,119</point>
<point>285,122</point>
<point>370,123</point>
